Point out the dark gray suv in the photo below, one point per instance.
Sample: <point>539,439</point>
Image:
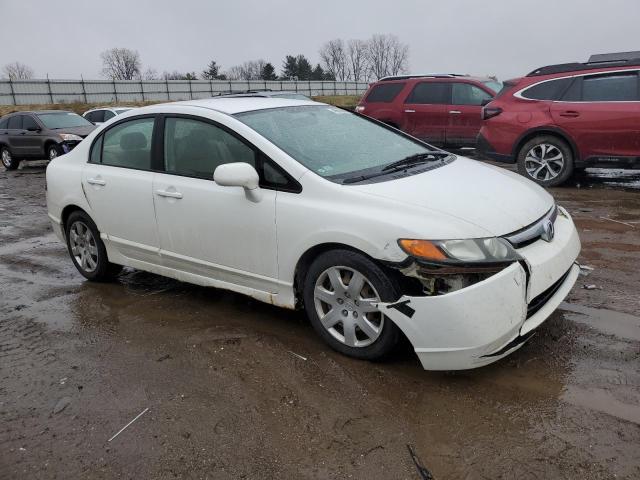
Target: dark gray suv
<point>40,135</point>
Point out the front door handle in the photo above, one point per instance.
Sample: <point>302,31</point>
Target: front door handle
<point>455,111</point>
<point>165,193</point>
<point>409,111</point>
<point>96,181</point>
<point>570,113</point>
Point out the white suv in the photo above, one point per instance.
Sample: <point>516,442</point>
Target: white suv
<point>304,205</point>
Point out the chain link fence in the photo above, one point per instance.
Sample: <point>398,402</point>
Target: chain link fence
<point>27,92</point>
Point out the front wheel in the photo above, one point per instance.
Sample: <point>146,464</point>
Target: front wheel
<point>341,291</point>
<point>53,151</point>
<point>9,162</point>
<point>87,250</point>
<point>547,160</point>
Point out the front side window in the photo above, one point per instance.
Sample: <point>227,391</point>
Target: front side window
<point>15,122</point>
<point>466,94</point>
<point>28,123</point>
<point>610,88</point>
<point>95,116</point>
<point>63,120</point>
<point>332,142</point>
<point>194,148</point>
<point>431,93</point>
<point>384,93</point>
<point>494,85</point>
<point>129,144</point>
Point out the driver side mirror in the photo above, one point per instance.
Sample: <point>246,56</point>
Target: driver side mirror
<point>239,174</point>
<point>33,129</point>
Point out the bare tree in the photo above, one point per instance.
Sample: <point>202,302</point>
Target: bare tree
<point>334,59</point>
<point>251,70</point>
<point>150,74</point>
<point>121,64</point>
<point>387,55</point>
<point>357,58</point>
<point>17,71</point>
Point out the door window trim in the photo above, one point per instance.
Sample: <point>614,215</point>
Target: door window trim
<point>579,77</point>
<point>293,185</point>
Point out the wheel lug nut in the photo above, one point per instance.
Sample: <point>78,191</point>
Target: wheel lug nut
<point>344,313</point>
<point>355,314</point>
<point>340,301</point>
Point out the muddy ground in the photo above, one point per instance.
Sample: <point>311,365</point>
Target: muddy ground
<point>228,396</point>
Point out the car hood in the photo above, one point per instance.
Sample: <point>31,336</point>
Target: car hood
<point>80,131</point>
<point>494,199</point>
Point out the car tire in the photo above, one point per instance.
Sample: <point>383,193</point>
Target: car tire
<point>87,250</point>
<point>8,161</point>
<point>359,331</point>
<point>53,151</point>
<point>547,160</point>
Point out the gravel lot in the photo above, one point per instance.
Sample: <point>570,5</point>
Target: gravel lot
<point>229,397</point>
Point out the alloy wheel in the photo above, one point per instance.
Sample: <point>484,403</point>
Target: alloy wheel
<point>544,162</point>
<point>53,153</point>
<point>6,158</point>
<point>345,302</point>
<point>83,246</point>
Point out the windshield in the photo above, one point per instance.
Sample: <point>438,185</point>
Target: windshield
<point>63,120</point>
<point>332,142</point>
<point>494,85</point>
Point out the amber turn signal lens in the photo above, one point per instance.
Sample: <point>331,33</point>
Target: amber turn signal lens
<point>422,249</point>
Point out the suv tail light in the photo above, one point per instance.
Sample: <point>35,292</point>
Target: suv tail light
<point>360,108</point>
<point>490,112</point>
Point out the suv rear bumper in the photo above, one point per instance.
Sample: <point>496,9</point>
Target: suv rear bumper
<point>486,149</point>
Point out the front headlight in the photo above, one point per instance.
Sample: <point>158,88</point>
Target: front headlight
<point>70,137</point>
<point>476,250</point>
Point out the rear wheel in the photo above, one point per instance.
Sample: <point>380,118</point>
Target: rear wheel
<point>87,250</point>
<point>341,290</point>
<point>9,162</point>
<point>547,160</point>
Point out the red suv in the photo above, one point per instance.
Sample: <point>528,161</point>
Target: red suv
<point>443,109</point>
<point>562,117</point>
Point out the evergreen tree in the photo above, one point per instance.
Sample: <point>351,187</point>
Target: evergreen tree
<point>268,72</point>
<point>212,72</point>
<point>290,67</point>
<point>318,73</point>
<point>304,68</point>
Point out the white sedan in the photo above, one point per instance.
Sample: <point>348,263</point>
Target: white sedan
<point>303,205</point>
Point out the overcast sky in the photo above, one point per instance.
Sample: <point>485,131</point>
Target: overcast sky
<point>504,37</point>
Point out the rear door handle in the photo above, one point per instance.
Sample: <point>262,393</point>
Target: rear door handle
<point>165,193</point>
<point>96,181</point>
<point>455,111</point>
<point>409,111</point>
<point>570,113</point>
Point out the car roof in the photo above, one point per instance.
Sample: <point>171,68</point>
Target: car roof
<point>454,77</point>
<point>38,112</point>
<point>233,105</point>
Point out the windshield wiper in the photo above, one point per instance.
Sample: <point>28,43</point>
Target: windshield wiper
<point>415,160</point>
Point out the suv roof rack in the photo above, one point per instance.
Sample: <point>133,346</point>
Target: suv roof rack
<point>621,59</point>
<point>424,75</point>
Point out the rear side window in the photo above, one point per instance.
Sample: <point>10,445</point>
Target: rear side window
<point>96,116</point>
<point>15,122</point>
<point>384,92</point>
<point>466,94</point>
<point>195,149</point>
<point>432,93</point>
<point>549,90</point>
<point>3,123</point>
<point>610,88</point>
<point>108,114</point>
<point>129,144</point>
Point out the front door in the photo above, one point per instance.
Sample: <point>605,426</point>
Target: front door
<point>465,114</point>
<point>207,229</point>
<point>425,114</point>
<point>602,114</point>
<point>118,184</point>
<point>32,137</point>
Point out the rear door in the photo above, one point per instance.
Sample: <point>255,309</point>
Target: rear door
<point>464,113</point>
<point>425,114</point>
<point>602,114</point>
<point>16,136</point>
<point>118,184</point>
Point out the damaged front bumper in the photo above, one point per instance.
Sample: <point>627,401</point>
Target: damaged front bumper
<point>485,322</point>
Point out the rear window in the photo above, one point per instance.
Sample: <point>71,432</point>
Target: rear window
<point>549,90</point>
<point>384,93</point>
